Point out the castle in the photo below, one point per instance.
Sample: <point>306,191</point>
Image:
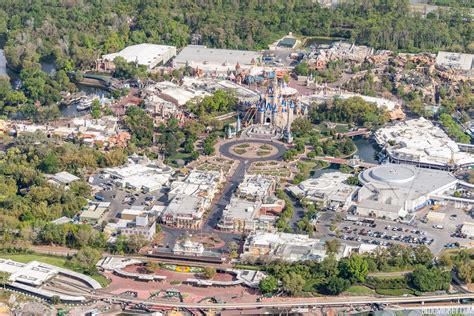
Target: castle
<point>278,107</point>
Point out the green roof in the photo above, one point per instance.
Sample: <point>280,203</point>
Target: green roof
<point>287,42</point>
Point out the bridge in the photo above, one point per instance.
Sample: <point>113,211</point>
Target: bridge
<point>226,116</point>
<point>354,163</point>
<point>358,132</point>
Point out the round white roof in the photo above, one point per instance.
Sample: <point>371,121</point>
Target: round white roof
<point>391,173</point>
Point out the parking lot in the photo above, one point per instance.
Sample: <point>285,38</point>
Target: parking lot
<point>435,234</point>
<point>121,198</point>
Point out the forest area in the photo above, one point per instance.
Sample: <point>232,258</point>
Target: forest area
<point>72,34</point>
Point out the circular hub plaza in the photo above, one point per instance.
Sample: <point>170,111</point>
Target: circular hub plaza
<point>252,150</point>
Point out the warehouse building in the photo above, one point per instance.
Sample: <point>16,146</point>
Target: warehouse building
<point>148,55</point>
<point>393,191</point>
<point>215,59</point>
<point>457,61</point>
<point>95,212</point>
<point>63,179</point>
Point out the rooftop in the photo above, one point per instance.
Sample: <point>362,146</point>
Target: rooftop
<point>401,185</point>
<point>198,55</point>
<point>255,187</point>
<point>64,177</point>
<point>419,140</point>
<point>143,54</point>
<point>455,60</point>
<point>328,186</point>
<point>184,205</point>
<point>241,209</point>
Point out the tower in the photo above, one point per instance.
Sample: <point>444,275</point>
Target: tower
<point>238,127</point>
<point>287,134</point>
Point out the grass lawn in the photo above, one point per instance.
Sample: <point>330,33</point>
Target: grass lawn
<point>180,155</point>
<point>25,258</point>
<point>339,128</point>
<point>394,292</point>
<point>239,151</point>
<point>244,145</point>
<point>359,290</point>
<point>263,153</point>
<point>53,260</point>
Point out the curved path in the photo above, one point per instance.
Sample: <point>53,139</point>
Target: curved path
<point>225,149</point>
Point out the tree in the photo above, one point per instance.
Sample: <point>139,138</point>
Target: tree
<point>4,278</point>
<point>151,267</point>
<point>95,109</point>
<point>464,271</point>
<point>268,284</point>
<point>86,259</point>
<point>332,246</point>
<point>140,125</point>
<point>135,243</point>
<point>445,261</point>
<point>329,266</point>
<point>430,280</point>
<point>301,126</point>
<point>336,285</point>
<point>293,283</point>
<point>209,272</point>
<point>353,180</point>
<point>354,268</point>
<point>423,255</point>
<point>55,300</point>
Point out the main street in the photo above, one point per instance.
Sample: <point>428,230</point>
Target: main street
<point>234,179</point>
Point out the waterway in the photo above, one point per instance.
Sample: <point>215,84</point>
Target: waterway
<point>71,111</point>
<point>49,67</point>
<point>367,149</point>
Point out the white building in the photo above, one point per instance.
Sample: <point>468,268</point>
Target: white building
<point>423,144</point>
<point>286,247</point>
<point>468,229</point>
<point>256,187</point>
<point>455,60</point>
<point>184,211</point>
<point>63,179</point>
<point>148,55</point>
<point>253,206</point>
<point>188,248</point>
<point>141,175</point>
<point>392,191</point>
<point>190,198</point>
<point>215,59</point>
<point>143,226</point>
<point>330,189</point>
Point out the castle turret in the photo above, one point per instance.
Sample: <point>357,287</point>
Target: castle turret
<point>287,134</point>
<point>237,130</point>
